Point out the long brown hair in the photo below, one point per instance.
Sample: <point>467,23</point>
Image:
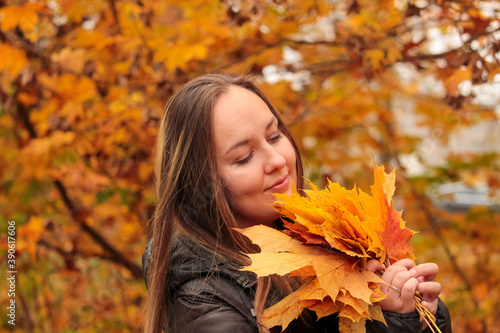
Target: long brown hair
<point>190,196</point>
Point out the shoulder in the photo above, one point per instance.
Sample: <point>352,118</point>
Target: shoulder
<point>212,303</point>
<point>199,277</point>
<point>207,293</point>
<point>218,291</point>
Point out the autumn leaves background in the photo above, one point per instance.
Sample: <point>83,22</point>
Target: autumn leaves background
<point>83,84</point>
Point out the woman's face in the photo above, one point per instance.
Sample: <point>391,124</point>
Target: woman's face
<point>254,158</point>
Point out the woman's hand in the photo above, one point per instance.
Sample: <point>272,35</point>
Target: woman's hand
<point>400,288</point>
<point>403,278</point>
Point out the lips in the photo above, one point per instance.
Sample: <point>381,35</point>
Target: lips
<point>281,185</point>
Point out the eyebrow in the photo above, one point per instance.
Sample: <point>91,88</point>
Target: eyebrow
<point>244,142</point>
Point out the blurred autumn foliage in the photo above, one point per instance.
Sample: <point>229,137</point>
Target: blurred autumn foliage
<point>83,85</point>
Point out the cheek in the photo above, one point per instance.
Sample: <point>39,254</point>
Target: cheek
<point>244,183</point>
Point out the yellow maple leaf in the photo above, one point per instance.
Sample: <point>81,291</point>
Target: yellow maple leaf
<point>25,16</point>
<point>375,57</point>
<point>74,60</point>
<point>29,234</point>
<point>69,86</point>
<point>329,235</point>
<point>13,60</point>
<point>351,221</point>
<point>330,274</point>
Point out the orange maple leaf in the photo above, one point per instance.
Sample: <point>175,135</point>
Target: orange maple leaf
<point>326,276</point>
<point>329,235</point>
<point>350,221</point>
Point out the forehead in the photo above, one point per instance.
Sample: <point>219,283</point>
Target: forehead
<point>239,114</point>
<point>239,104</point>
<point>237,97</point>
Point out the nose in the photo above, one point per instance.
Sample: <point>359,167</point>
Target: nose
<point>274,160</point>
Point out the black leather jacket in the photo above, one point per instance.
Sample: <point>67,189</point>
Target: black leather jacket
<point>212,296</point>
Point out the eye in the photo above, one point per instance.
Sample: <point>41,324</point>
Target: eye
<point>275,138</point>
<point>245,160</point>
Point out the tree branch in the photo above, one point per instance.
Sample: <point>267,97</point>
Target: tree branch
<point>65,254</point>
<point>116,17</point>
<point>465,46</point>
<point>79,215</point>
<point>28,323</point>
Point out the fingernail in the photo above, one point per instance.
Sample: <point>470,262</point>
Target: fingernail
<point>413,272</point>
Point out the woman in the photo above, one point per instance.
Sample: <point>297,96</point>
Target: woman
<point>221,150</point>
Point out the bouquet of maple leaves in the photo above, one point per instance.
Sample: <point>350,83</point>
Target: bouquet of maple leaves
<point>333,234</point>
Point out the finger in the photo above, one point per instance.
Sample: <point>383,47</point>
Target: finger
<point>396,284</point>
<point>373,265</point>
<point>400,278</point>
<point>407,295</point>
<point>428,271</point>
<point>407,263</point>
<point>391,272</point>
<point>429,290</point>
<point>431,306</point>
